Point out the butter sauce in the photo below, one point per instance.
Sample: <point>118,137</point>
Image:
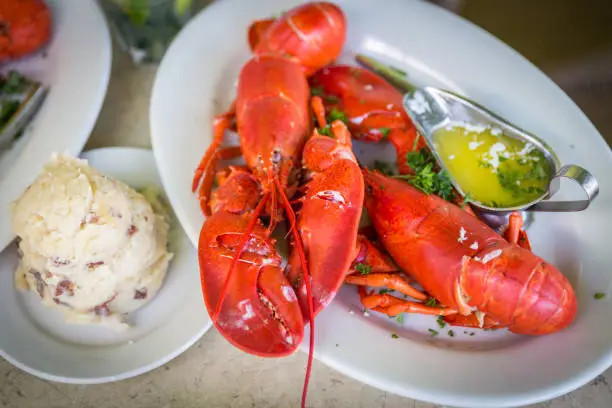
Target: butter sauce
<point>492,168</point>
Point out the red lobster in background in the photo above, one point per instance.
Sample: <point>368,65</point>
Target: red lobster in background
<point>480,278</point>
<point>25,26</point>
<point>373,108</point>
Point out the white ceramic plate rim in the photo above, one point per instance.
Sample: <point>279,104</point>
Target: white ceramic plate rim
<point>191,109</point>
<point>79,60</point>
<point>102,158</point>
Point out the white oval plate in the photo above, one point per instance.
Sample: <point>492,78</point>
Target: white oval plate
<point>38,341</point>
<point>76,66</point>
<point>197,80</point>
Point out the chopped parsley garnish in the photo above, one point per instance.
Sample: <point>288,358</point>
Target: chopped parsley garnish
<point>432,302</point>
<point>363,268</point>
<point>384,131</point>
<point>426,178</point>
<point>319,91</point>
<point>441,322</point>
<point>599,295</point>
<point>383,291</point>
<point>510,180</point>
<point>336,114</point>
<point>394,336</point>
<point>466,200</point>
<point>451,333</point>
<point>383,167</point>
<point>400,318</point>
<point>326,131</point>
<point>433,332</point>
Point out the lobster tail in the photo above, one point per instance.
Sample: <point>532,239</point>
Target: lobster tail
<point>464,264</point>
<point>519,290</point>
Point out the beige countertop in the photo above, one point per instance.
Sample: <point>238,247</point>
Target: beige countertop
<point>212,373</point>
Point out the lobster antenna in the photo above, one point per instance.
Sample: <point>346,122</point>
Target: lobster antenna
<point>300,248</point>
<point>245,238</point>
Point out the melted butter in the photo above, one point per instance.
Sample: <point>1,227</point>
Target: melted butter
<point>493,168</point>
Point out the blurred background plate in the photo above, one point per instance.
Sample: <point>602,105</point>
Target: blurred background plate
<point>76,67</point>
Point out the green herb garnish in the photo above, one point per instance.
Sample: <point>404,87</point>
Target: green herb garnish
<point>432,302</point>
<point>384,131</point>
<point>433,332</point>
<point>394,336</point>
<point>363,268</point>
<point>14,83</point>
<point>599,295</point>
<point>383,291</point>
<point>441,322</point>
<point>400,318</point>
<point>383,167</point>
<point>326,131</point>
<point>426,177</point>
<point>451,333</point>
<point>317,91</point>
<point>335,114</point>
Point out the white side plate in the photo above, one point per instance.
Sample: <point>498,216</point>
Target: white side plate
<point>38,341</point>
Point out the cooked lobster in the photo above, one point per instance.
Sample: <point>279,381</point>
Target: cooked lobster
<point>250,300</point>
<point>479,277</point>
<point>25,27</point>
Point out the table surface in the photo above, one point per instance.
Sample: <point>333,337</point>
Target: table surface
<point>212,373</point>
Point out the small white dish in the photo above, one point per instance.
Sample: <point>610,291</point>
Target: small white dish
<point>37,340</point>
<point>196,80</point>
<point>76,67</point>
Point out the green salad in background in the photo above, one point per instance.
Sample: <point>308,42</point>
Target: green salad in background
<point>139,11</point>
<point>13,90</point>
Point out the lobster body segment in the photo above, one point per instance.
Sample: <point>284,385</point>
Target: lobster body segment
<point>313,34</point>
<point>464,264</point>
<point>272,114</point>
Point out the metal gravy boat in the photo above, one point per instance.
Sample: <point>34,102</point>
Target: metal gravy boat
<point>431,109</point>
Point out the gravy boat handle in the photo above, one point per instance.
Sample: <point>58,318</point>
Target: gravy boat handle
<point>576,174</point>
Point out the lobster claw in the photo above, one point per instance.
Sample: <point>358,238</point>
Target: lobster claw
<point>329,217</point>
<point>260,313</point>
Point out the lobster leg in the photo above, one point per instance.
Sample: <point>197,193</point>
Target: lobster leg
<point>238,191</point>
<point>221,123</point>
<point>257,31</point>
<point>207,182</point>
<point>386,280</point>
<point>393,306</point>
<point>371,257</point>
<point>515,233</point>
<point>471,320</point>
